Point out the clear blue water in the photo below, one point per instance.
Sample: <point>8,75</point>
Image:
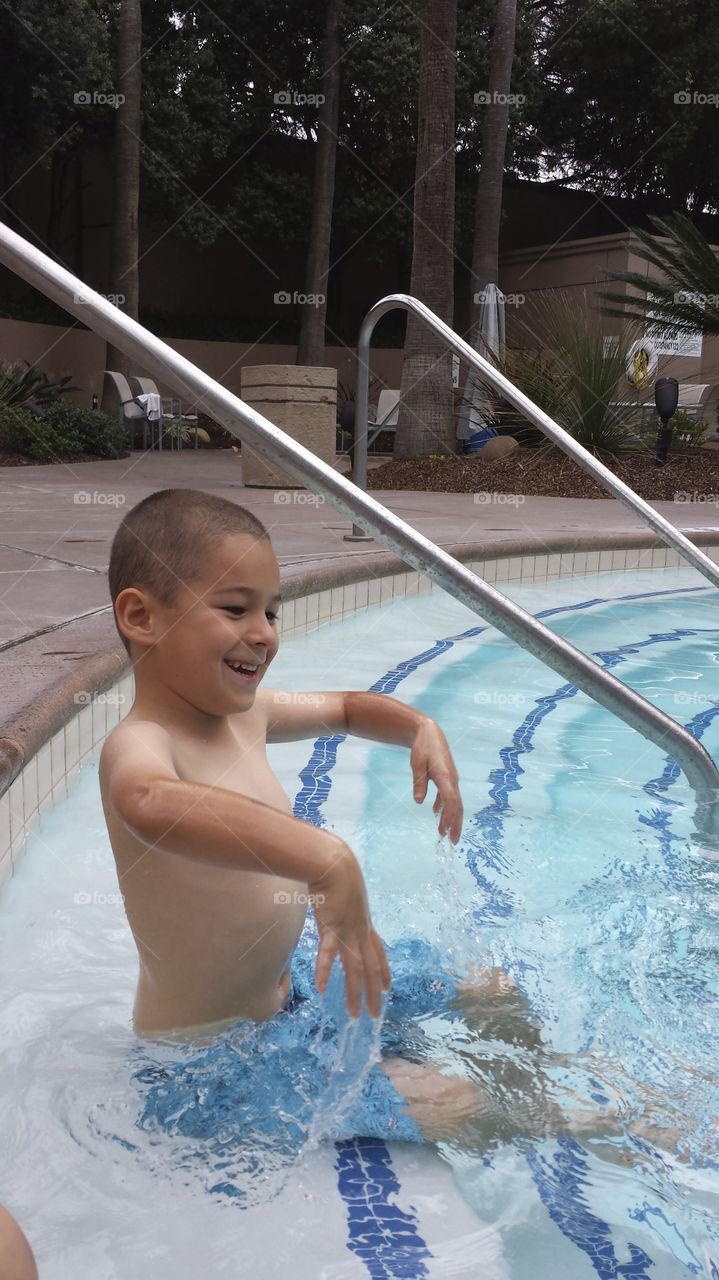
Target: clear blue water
<point>578,874</point>
<point>589,891</point>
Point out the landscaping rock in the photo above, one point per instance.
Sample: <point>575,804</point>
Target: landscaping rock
<point>498,447</point>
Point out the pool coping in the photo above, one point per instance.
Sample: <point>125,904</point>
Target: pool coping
<point>43,744</point>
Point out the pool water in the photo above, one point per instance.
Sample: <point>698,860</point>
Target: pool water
<point>579,873</point>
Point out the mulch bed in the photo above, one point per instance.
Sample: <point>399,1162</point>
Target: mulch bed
<point>532,472</point>
<point>551,474</point>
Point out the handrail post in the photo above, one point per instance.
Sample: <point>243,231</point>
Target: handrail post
<point>361,428</point>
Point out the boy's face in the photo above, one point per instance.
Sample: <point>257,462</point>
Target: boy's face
<point>219,637</point>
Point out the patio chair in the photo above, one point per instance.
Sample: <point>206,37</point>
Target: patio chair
<point>172,412</point>
<point>385,419</point>
<point>119,402</point>
<point>387,414</point>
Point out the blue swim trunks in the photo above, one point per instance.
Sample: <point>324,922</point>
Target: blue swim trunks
<point>261,1089</point>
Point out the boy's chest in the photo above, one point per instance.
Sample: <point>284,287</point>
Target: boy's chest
<point>241,766</point>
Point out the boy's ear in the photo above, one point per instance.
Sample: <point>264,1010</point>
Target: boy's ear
<point>135,616</point>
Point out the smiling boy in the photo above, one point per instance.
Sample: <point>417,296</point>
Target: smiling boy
<point>215,870</point>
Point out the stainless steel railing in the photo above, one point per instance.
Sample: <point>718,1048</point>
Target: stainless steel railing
<point>248,425</point>
<point>560,437</point>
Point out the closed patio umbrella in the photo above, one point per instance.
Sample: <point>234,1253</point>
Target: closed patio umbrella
<point>475,415</point>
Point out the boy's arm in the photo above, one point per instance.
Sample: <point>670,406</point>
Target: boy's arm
<point>226,829</point>
<point>373,715</point>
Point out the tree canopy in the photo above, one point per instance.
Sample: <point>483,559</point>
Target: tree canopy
<point>617,100</point>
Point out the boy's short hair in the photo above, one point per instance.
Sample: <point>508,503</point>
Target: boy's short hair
<point>163,542</point>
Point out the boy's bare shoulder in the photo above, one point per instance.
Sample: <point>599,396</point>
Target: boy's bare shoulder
<point>136,750</point>
<point>129,733</point>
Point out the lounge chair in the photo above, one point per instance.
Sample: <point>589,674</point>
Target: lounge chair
<point>385,418</point>
<point>119,402</point>
<point>172,412</point>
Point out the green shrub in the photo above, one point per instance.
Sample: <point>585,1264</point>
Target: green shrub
<point>96,431</point>
<point>574,376</point>
<point>22,432</point>
<point>66,430</point>
<point>688,433</point>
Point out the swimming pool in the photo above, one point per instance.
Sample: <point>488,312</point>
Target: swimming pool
<point>576,873</point>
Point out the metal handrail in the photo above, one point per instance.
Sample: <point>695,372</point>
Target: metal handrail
<point>403,302</point>
<point>274,445</point>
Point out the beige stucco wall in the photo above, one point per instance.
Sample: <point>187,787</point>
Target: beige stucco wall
<point>583,265</point>
<point>79,352</point>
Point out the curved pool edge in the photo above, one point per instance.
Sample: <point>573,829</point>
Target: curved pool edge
<point>54,728</point>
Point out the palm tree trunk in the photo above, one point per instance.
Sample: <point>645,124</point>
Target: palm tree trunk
<point>488,206</point>
<point>425,423</point>
<point>125,274</point>
<point>311,348</point>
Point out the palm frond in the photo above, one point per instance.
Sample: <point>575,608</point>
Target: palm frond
<point>685,295</point>
<point>18,386</point>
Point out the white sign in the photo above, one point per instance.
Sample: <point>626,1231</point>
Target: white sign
<point>670,341</point>
<point>677,342</point>
<point>455,370</point>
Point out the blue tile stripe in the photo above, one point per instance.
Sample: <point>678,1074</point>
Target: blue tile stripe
<point>560,1182</point>
<point>386,1239</point>
<point>381,1234</point>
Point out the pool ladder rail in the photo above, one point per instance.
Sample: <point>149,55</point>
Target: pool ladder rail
<point>370,517</point>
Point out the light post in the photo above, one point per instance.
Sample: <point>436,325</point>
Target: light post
<point>666,398</point>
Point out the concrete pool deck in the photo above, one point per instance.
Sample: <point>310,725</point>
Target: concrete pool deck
<point>57,523</point>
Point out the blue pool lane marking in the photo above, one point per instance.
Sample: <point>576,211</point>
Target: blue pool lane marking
<point>560,1183</point>
<point>395,1248</point>
<point>381,1234</point>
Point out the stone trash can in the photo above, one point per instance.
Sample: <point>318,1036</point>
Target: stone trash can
<point>299,399</point>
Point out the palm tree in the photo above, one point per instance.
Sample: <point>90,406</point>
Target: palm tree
<point>125,249</point>
<point>488,200</point>
<point>686,294</point>
<point>488,204</point>
<point>425,424</point>
<point>311,347</point>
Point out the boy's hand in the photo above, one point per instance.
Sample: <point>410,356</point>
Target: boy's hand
<point>431,761</point>
<point>340,905</point>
